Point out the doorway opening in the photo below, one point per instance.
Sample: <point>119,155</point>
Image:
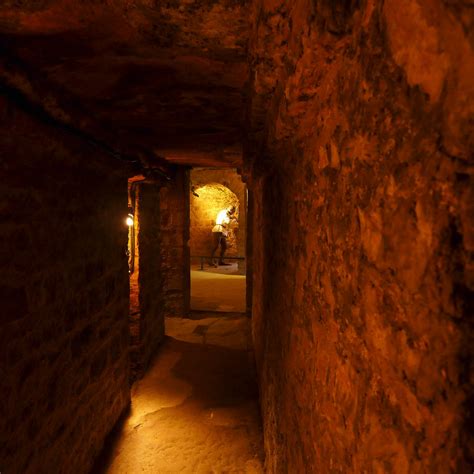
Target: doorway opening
<point>218,222</point>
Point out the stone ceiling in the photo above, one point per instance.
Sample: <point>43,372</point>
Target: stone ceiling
<point>148,77</point>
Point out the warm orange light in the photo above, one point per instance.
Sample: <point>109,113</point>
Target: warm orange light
<point>129,220</point>
<point>222,217</point>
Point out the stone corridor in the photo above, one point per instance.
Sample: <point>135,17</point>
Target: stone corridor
<point>334,138</point>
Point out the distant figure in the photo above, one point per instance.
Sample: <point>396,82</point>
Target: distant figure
<point>220,232</point>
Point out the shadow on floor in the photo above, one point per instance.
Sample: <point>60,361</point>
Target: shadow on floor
<point>196,409</point>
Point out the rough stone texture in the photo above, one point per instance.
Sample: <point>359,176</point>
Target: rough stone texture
<point>63,287</point>
<point>249,251</point>
<point>196,409</point>
<point>174,224</point>
<point>149,78</point>
<point>360,154</point>
<point>134,269</point>
<point>150,276</point>
<point>203,214</point>
<point>160,281</point>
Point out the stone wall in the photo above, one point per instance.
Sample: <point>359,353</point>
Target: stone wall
<point>64,292</point>
<point>361,132</point>
<point>134,267</point>
<point>150,276</point>
<point>174,223</point>
<point>160,281</point>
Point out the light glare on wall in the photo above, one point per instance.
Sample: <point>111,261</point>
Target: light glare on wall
<point>129,220</point>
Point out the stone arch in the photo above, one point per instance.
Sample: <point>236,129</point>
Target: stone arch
<point>206,202</point>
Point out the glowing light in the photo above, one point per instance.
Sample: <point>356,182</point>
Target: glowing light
<point>223,217</point>
<point>129,220</point>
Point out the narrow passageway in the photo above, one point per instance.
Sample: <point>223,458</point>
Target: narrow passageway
<point>196,409</point>
<point>305,162</point>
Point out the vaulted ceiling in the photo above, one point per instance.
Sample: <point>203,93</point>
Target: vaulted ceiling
<point>153,77</point>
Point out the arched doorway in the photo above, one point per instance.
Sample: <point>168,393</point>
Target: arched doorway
<point>217,287</point>
<point>206,203</point>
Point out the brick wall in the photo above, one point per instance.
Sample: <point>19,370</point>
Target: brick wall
<point>363,237</point>
<point>64,296</point>
<point>174,222</point>
<point>160,281</point>
<point>150,277</point>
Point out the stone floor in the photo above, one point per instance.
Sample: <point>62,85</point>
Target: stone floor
<point>196,409</point>
<point>217,289</point>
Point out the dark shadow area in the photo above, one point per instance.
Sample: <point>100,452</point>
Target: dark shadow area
<point>105,457</point>
<point>219,376</point>
<point>196,408</point>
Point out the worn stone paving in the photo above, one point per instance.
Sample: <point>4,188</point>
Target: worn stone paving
<point>218,289</point>
<point>196,409</point>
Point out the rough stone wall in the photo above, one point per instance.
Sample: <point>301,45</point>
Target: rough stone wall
<point>150,276</point>
<point>160,281</point>
<point>172,72</point>
<point>174,223</point>
<point>361,130</point>
<point>249,252</point>
<point>134,254</point>
<point>64,294</point>
<point>201,226</point>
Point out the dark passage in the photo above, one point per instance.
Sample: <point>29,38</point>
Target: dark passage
<point>341,132</point>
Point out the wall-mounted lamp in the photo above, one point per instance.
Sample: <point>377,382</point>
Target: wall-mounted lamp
<point>129,219</point>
